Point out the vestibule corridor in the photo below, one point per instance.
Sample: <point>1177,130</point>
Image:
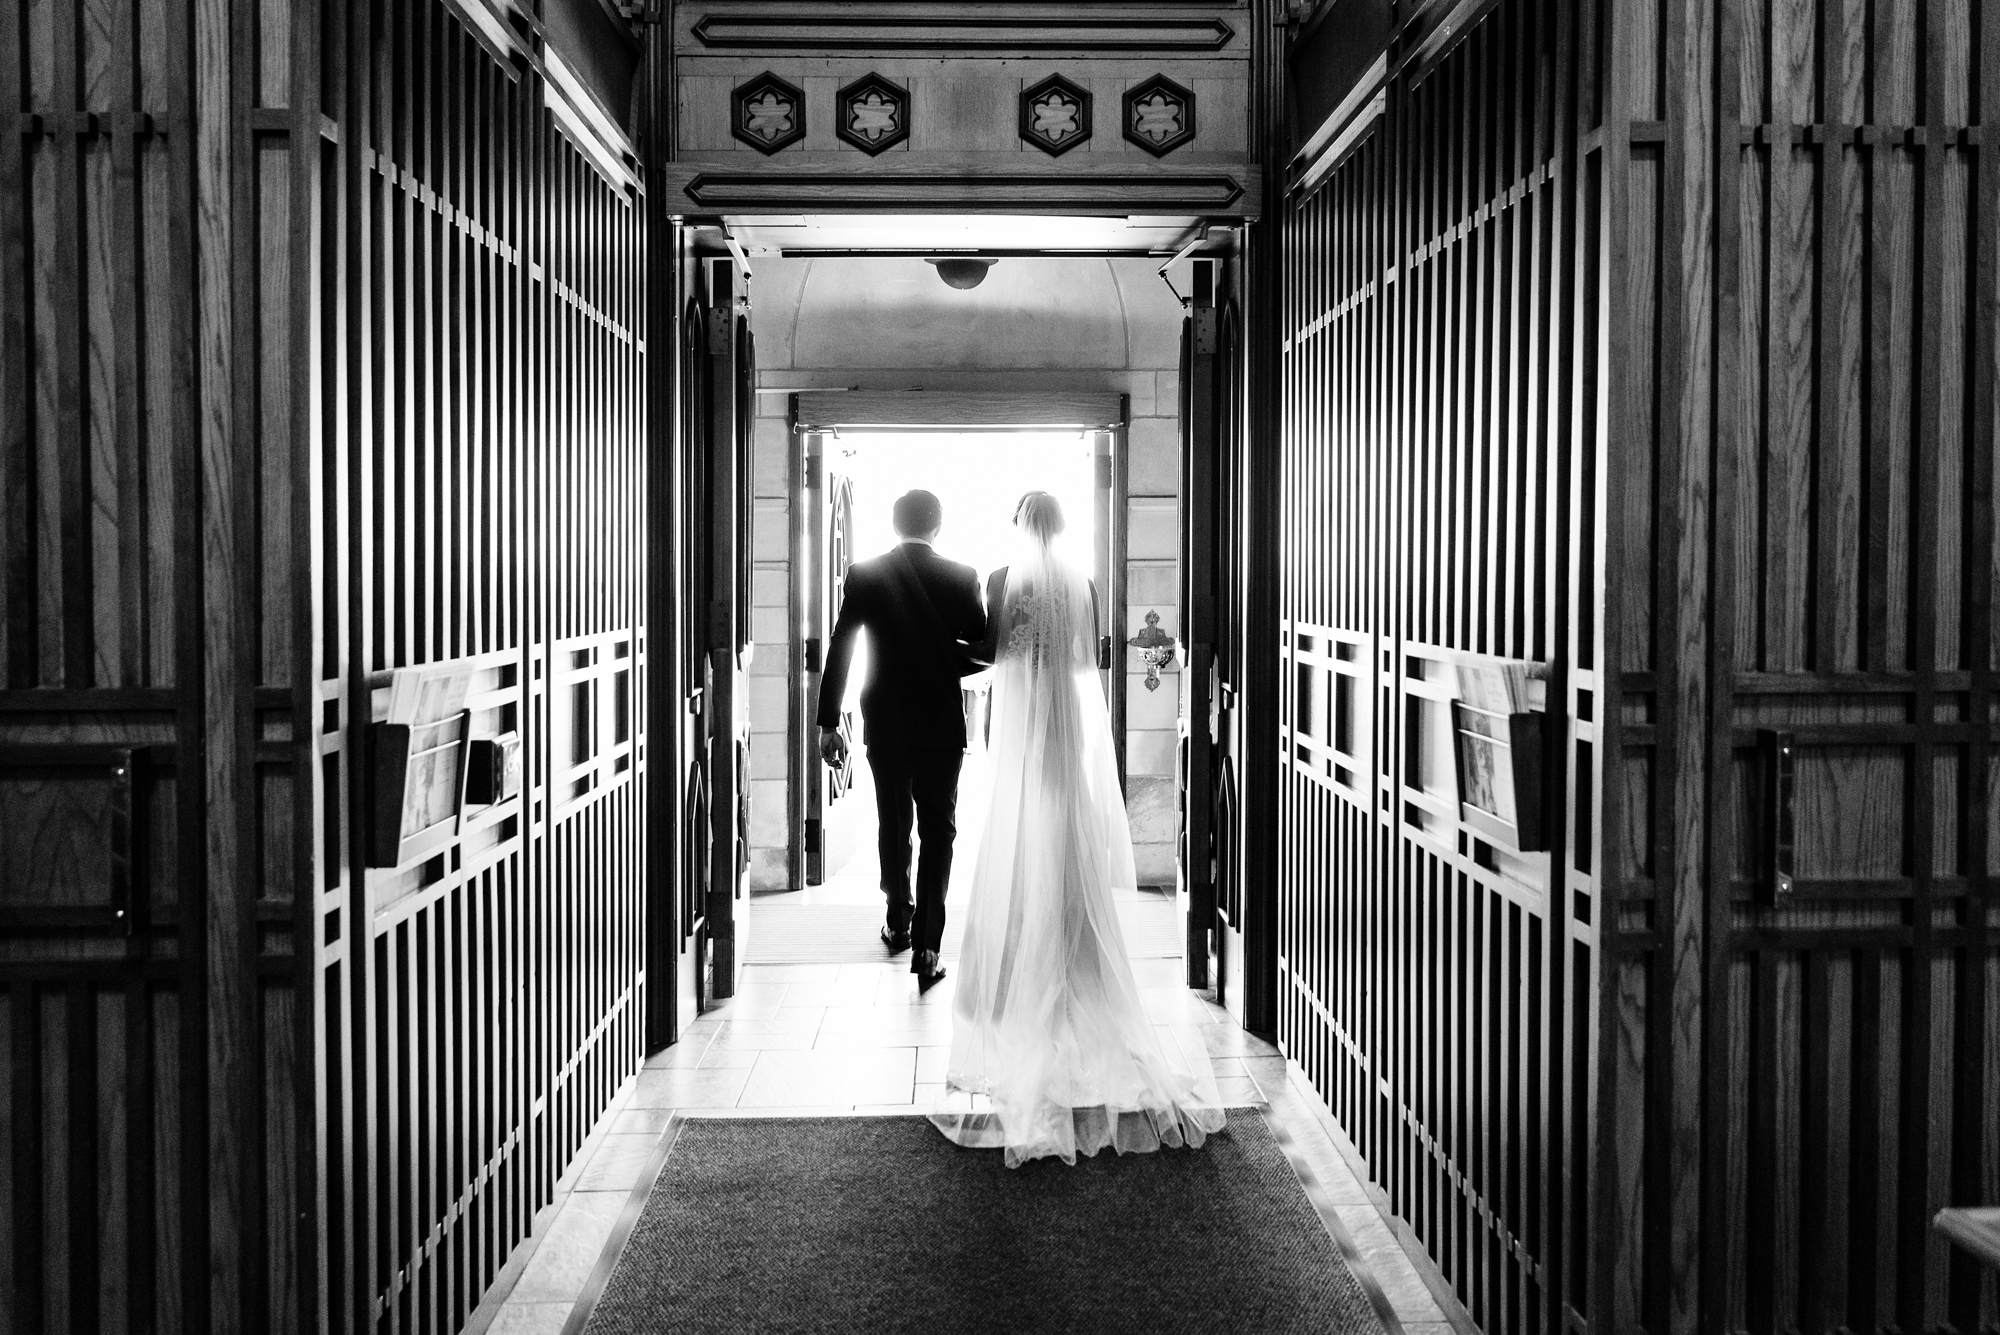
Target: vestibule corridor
<point>1540,472</point>
<point>809,1040</point>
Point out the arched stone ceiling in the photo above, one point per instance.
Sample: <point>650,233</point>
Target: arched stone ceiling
<point>891,313</point>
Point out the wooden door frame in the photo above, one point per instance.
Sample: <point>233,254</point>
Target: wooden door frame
<point>1200,380</point>
<point>826,414</point>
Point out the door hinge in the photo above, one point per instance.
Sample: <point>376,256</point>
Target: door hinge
<point>720,327</point>
<point>1204,330</point>
<point>812,654</point>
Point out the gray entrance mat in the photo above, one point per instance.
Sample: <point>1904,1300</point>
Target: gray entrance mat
<point>881,1224</point>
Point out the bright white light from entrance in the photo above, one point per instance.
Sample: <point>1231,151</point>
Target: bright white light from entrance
<point>978,476</point>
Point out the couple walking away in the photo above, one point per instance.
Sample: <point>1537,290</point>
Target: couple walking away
<point>1047,1023</point>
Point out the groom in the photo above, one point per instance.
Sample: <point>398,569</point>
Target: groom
<point>921,612</point>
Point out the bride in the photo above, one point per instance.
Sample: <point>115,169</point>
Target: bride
<point>1048,1023</point>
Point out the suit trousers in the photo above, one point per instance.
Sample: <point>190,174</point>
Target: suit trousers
<point>926,779</point>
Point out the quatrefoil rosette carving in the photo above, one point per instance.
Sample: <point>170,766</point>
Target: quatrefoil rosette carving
<point>1159,115</point>
<point>872,114</point>
<point>767,113</point>
<point>1055,115</point>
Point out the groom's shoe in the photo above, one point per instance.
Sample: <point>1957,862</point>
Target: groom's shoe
<point>924,964</point>
<point>898,942</point>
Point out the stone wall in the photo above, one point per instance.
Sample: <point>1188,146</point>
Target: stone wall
<point>1040,324</point>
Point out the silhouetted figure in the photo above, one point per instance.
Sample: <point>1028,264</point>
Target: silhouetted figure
<point>921,612</point>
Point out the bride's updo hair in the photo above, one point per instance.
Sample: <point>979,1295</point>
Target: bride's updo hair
<point>1039,516</point>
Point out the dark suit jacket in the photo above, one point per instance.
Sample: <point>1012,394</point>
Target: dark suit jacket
<point>911,697</point>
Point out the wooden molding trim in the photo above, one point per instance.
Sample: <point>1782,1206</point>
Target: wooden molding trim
<point>892,33</point>
<point>1230,193</point>
<point>905,409</point>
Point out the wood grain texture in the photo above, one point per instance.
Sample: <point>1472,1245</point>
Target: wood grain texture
<point>326,380</point>
<point>1438,400</point>
<point>1809,1154</point>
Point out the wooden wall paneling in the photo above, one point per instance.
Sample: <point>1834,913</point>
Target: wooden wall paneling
<point>1974,1298</point>
<point>1832,289</point>
<point>107,1203</point>
<point>482,372</point>
<point>1439,386</point>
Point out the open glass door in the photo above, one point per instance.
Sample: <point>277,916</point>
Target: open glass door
<point>829,551</point>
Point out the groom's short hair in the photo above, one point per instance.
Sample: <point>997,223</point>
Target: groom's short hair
<point>917,514</point>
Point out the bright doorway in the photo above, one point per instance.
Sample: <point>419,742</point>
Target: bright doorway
<point>978,476</point>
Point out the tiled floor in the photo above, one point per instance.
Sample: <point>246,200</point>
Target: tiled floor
<point>814,1039</point>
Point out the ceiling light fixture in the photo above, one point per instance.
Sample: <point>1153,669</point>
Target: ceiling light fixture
<point>962,271</point>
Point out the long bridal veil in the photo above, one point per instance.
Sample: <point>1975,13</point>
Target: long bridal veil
<point>1048,1023</point>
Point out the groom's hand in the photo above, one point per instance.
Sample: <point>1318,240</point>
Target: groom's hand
<point>832,747</point>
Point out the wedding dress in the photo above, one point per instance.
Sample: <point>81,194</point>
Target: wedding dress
<point>1048,1023</point>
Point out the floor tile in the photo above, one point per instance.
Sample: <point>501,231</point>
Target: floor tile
<point>789,1020</point>
<point>1187,1040</point>
<point>1158,973</point>
<point>530,1319</point>
<point>729,1038</point>
<point>858,1076</point>
<point>1405,1289</point>
<point>932,1059</point>
<point>689,1089</point>
<point>872,1042</point>
<point>1168,1005</point>
<point>1229,1041</point>
<point>873,973</point>
<point>755,974</point>
<point>684,1053</point>
<point>1236,1090</point>
<point>859,993</point>
<point>790,1110</point>
<point>882,1018</point>
<point>724,1056</point>
<point>740,1007</point>
<point>618,1163</point>
<point>639,1121</point>
<point>901,989</point>
<point>566,1254</point>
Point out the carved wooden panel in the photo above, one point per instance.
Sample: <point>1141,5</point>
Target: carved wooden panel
<point>153,481</point>
<point>321,354</point>
<point>995,109</point>
<point>1800,544</point>
<point>1655,342</point>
